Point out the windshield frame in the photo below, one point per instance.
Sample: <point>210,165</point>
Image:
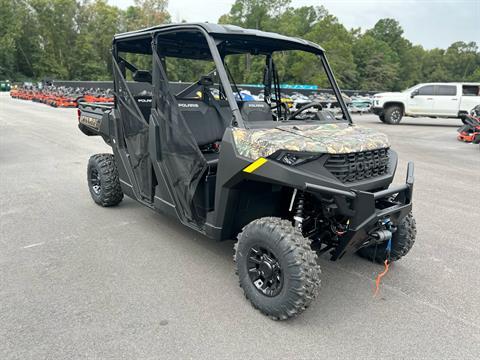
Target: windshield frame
<point>218,43</point>
<point>223,50</point>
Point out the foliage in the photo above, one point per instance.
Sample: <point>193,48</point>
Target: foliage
<point>71,39</point>
<point>378,59</point>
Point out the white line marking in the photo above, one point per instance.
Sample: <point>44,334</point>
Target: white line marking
<point>33,245</point>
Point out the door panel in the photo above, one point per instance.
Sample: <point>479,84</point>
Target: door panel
<point>422,103</point>
<point>446,100</point>
<point>135,131</point>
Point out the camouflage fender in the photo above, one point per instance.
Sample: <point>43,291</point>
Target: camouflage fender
<point>339,138</point>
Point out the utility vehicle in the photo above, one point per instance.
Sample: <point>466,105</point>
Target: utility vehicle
<point>289,186</point>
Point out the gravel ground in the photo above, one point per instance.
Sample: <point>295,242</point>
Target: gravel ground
<point>81,281</point>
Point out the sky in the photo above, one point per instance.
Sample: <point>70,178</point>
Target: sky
<point>430,23</point>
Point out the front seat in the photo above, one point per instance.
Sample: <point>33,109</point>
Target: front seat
<point>253,111</point>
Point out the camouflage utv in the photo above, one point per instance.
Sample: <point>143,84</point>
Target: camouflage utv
<point>288,186</point>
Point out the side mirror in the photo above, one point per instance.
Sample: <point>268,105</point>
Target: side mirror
<point>414,93</point>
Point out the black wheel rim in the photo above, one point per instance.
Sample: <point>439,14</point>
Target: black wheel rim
<point>265,271</point>
<point>95,181</point>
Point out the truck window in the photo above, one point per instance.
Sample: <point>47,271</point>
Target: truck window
<point>446,90</point>
<point>471,90</point>
<point>426,90</point>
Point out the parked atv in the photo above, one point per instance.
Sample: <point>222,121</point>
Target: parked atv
<point>281,182</point>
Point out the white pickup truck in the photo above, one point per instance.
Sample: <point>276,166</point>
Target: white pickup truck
<point>447,100</point>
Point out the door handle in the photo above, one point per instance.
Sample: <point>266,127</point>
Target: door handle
<point>429,98</point>
<point>454,99</point>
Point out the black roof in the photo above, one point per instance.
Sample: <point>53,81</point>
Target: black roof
<point>271,40</point>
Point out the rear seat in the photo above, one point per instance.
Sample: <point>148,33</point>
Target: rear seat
<point>205,123</point>
<point>142,93</point>
<point>144,103</point>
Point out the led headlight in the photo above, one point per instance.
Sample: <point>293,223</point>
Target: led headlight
<point>293,158</point>
<point>289,159</point>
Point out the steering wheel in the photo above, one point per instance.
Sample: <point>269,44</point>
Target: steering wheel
<point>311,105</point>
<point>285,110</point>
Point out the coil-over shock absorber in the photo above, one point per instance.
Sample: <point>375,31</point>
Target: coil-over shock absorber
<point>298,199</point>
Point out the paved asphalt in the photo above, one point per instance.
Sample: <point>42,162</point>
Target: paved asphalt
<point>80,281</point>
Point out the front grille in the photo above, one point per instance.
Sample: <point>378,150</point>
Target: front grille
<point>358,166</point>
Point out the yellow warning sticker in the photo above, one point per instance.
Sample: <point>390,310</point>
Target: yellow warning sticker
<point>255,165</point>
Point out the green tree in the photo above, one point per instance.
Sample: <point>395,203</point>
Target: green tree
<point>461,60</point>
<point>97,23</point>
<point>71,39</point>
<point>406,58</point>
<point>147,13</point>
<point>338,44</point>
<point>299,21</point>
<point>376,64</point>
<point>390,32</point>
<point>433,66</point>
<point>255,14</point>
<point>19,47</point>
<point>9,33</point>
<point>57,33</point>
<point>475,76</point>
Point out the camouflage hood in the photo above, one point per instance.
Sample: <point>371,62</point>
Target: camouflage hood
<point>339,138</point>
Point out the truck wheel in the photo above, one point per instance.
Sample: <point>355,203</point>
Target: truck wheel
<point>402,241</point>
<point>382,118</point>
<point>277,268</point>
<point>103,180</point>
<point>393,115</point>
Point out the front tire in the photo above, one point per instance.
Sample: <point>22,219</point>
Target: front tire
<point>393,115</point>
<point>402,242</point>
<point>103,180</point>
<point>277,268</point>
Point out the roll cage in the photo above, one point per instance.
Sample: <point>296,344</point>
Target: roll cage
<point>223,40</point>
<point>157,135</point>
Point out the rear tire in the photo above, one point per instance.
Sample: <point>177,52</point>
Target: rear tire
<point>393,115</point>
<point>382,118</point>
<point>476,139</point>
<point>402,241</point>
<point>103,180</point>
<point>277,268</point>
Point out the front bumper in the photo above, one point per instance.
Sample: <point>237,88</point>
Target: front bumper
<point>377,110</point>
<point>366,210</point>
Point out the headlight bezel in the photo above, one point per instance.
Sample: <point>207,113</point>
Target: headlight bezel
<point>294,158</point>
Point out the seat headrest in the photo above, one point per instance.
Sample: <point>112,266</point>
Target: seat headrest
<point>206,81</point>
<point>256,111</point>
<point>142,76</point>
